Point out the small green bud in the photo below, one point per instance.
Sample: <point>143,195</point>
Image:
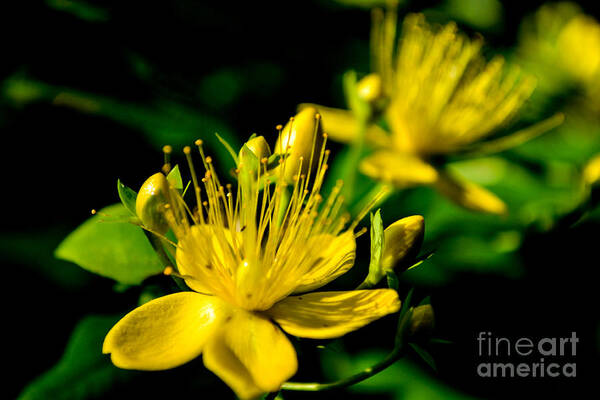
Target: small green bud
<point>422,322</point>
<point>151,198</point>
<point>302,135</point>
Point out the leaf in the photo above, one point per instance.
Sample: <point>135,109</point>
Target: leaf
<point>377,243</point>
<point>424,354</point>
<point>174,178</point>
<point>83,372</point>
<point>128,197</point>
<point>228,147</point>
<point>117,250</point>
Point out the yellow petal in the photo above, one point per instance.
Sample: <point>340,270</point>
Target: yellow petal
<point>221,360</point>
<point>469,195</point>
<point>251,353</point>
<point>201,253</point>
<point>165,332</point>
<point>401,238</point>
<point>401,170</point>
<point>325,315</point>
<point>342,126</point>
<point>336,258</point>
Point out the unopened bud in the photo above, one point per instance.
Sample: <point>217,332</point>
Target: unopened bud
<point>591,171</point>
<point>300,137</point>
<point>403,240</point>
<point>150,201</point>
<point>259,146</point>
<point>422,322</point>
<point>370,88</point>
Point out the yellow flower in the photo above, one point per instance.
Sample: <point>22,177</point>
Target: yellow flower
<point>563,44</point>
<point>442,98</point>
<point>250,271</point>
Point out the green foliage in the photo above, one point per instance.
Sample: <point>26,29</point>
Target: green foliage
<point>83,372</point>
<point>108,245</point>
<point>128,197</point>
<point>174,178</point>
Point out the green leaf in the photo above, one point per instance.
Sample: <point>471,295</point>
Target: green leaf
<point>128,197</point>
<point>174,178</point>
<point>83,372</point>
<point>108,246</point>
<point>228,147</point>
<point>424,354</point>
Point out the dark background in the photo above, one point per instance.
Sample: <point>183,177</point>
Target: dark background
<point>60,162</point>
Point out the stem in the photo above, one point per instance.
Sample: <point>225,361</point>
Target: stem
<point>391,358</point>
<point>379,187</point>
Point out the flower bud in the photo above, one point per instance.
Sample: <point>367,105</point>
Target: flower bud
<point>370,88</point>
<point>591,171</point>
<point>150,200</point>
<point>302,135</point>
<point>422,322</point>
<point>403,241</point>
<point>259,146</point>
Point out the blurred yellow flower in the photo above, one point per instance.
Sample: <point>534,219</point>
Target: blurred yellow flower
<point>563,45</point>
<point>250,258</point>
<point>442,98</point>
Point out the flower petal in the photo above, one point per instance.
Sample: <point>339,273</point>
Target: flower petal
<point>164,333</point>
<point>250,352</point>
<point>222,361</point>
<point>469,195</point>
<point>335,258</point>
<point>325,315</point>
<point>401,170</point>
<point>200,255</point>
<point>342,126</point>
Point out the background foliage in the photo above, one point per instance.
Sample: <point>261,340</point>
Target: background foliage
<point>91,91</point>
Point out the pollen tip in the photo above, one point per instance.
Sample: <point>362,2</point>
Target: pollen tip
<point>168,270</point>
<point>325,135</point>
<point>264,160</point>
<point>317,116</point>
<point>167,149</point>
<point>198,142</point>
<point>93,211</point>
<point>279,127</point>
<point>187,150</point>
<point>208,159</point>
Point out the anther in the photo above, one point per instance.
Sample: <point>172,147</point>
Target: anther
<point>198,142</point>
<point>208,159</point>
<point>317,116</point>
<point>168,270</point>
<point>279,127</point>
<point>93,211</point>
<point>167,149</point>
<point>264,160</point>
<point>187,150</point>
<point>325,135</point>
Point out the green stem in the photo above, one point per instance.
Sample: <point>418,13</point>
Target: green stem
<point>366,199</point>
<point>397,353</point>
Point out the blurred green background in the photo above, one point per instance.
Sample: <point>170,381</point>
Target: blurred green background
<point>91,91</point>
